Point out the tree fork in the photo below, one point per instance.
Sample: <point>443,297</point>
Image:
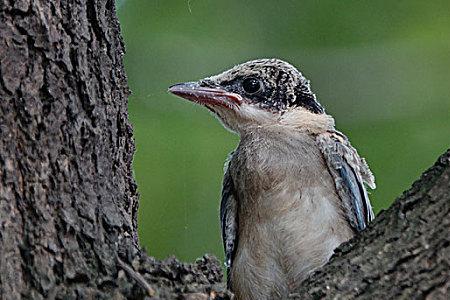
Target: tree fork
<point>68,201</point>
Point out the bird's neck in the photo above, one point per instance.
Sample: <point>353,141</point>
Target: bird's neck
<point>308,121</point>
<point>296,120</point>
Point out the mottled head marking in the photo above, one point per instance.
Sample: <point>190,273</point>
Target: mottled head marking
<point>282,85</point>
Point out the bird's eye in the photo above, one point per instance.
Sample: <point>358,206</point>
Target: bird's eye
<point>251,85</point>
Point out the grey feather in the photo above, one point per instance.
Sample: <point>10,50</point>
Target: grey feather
<point>228,217</point>
<point>350,172</point>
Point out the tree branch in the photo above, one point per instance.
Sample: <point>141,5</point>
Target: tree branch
<point>404,253</point>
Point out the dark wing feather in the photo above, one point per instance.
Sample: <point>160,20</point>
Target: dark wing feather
<point>350,172</point>
<point>228,218</point>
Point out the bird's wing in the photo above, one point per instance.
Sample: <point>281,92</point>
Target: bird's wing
<point>350,172</point>
<point>228,217</point>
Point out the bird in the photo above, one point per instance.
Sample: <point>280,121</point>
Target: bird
<point>293,190</point>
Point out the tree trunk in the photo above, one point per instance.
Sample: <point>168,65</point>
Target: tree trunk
<point>68,201</point>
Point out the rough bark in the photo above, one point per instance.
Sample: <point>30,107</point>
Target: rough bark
<point>68,200</point>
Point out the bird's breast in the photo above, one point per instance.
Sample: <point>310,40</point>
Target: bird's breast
<point>271,172</point>
<point>289,213</point>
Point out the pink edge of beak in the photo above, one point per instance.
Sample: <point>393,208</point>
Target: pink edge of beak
<point>206,96</point>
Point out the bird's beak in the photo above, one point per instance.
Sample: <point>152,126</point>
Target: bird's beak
<point>206,96</point>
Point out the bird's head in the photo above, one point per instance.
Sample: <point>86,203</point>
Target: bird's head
<point>256,93</point>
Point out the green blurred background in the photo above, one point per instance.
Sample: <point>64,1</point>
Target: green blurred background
<point>381,68</point>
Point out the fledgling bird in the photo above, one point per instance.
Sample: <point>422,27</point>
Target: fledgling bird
<point>293,189</point>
